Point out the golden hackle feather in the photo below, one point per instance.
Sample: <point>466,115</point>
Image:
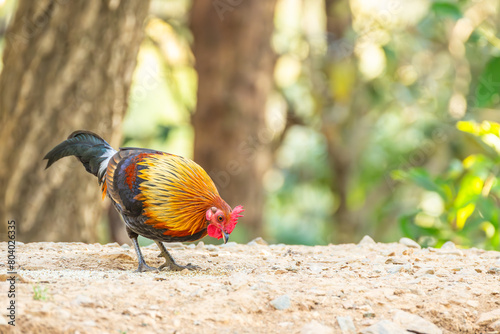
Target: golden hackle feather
<point>104,188</point>
<point>176,193</point>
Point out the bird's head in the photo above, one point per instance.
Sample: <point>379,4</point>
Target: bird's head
<point>221,221</point>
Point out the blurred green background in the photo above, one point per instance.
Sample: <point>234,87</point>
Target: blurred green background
<point>382,116</point>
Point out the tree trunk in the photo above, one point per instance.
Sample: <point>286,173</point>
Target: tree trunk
<point>235,63</point>
<point>67,65</point>
<point>337,130</point>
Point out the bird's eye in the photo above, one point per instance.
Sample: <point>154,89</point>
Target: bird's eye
<point>220,218</point>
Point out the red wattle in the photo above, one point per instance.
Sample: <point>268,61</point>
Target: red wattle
<point>214,232</point>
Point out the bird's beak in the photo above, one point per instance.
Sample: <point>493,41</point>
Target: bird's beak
<point>225,236</point>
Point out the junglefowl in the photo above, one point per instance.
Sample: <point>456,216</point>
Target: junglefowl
<point>161,196</point>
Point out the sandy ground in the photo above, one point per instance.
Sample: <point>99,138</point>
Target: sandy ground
<point>255,288</point>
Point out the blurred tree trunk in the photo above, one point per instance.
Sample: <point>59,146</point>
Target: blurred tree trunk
<point>235,63</point>
<point>340,128</point>
<point>67,65</point>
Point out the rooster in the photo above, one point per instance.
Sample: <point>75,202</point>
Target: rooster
<point>161,196</point>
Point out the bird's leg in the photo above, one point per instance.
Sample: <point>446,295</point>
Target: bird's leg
<point>169,260</point>
<point>142,263</point>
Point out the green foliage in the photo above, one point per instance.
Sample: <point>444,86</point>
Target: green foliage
<point>465,208</point>
<point>40,293</point>
<point>488,89</point>
<point>446,9</point>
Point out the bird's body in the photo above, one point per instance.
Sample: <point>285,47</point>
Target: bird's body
<point>161,196</point>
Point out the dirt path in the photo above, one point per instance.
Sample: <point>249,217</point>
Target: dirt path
<point>254,288</point>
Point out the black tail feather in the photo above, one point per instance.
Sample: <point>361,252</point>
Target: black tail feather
<point>87,146</point>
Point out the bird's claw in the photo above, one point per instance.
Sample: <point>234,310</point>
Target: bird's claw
<point>176,267</point>
<point>192,267</point>
<point>143,267</point>
<point>169,261</point>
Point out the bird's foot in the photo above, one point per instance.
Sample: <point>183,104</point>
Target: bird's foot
<point>143,267</point>
<point>169,260</point>
<point>177,267</point>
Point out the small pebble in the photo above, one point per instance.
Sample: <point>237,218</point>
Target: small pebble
<point>367,240</point>
<point>488,317</point>
<point>211,248</point>
<point>448,245</point>
<point>83,300</point>
<point>493,270</point>
<point>316,269</point>
<point>258,241</point>
<point>425,271</point>
<point>395,260</point>
<point>473,303</point>
<point>367,311</point>
<point>281,303</point>
<point>346,324</point>
<point>415,323</point>
<point>409,243</point>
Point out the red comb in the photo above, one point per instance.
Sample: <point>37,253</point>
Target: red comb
<point>233,218</point>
